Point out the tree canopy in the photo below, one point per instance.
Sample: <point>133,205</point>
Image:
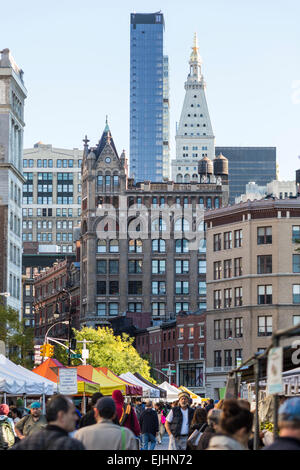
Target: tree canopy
<point>117,353</point>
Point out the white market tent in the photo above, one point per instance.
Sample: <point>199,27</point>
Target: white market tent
<point>172,392</point>
<point>16,380</point>
<point>147,390</point>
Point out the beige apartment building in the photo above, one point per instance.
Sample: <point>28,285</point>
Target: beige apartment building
<point>253,280</point>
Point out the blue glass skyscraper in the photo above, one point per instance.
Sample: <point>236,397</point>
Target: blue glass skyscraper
<point>147,97</point>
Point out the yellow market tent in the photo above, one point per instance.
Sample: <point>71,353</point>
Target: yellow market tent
<point>107,385</point>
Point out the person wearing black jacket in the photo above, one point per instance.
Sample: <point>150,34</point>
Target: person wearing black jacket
<point>61,416</point>
<point>199,423</point>
<point>149,426</point>
<point>89,418</point>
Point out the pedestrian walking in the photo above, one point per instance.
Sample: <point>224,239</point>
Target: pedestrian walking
<point>210,405</point>
<point>125,414</point>
<point>213,419</point>
<point>149,426</point>
<point>235,425</point>
<point>178,423</point>
<point>139,407</point>
<point>89,418</point>
<point>61,420</point>
<point>159,407</point>
<point>289,426</point>
<point>7,433</point>
<point>105,434</point>
<point>31,423</point>
<point>197,427</point>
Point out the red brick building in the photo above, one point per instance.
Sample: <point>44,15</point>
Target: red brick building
<point>180,343</point>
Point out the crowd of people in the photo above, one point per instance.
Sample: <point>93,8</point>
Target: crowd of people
<point>113,424</point>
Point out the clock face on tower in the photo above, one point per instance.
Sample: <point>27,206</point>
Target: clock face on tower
<point>107,159</point>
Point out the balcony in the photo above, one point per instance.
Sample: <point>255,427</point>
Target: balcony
<point>222,370</point>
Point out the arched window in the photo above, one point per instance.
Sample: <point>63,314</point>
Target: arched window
<point>217,202</point>
<point>181,225</point>
<point>101,246</point>
<point>135,246</point>
<point>159,225</point>
<point>114,246</point>
<point>195,177</point>
<point>201,201</point>
<point>179,178</point>
<point>208,203</point>
<point>187,178</point>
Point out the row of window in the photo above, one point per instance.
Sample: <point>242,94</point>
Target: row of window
<point>158,246</point>
<point>158,266</point>
<point>232,328</point>
<point>60,212</point>
<point>15,193</point>
<point>14,254</point>
<point>48,163</point>
<point>264,296</point>
<point>157,308</point>
<point>227,240</point>
<point>218,362</point>
<point>28,200</point>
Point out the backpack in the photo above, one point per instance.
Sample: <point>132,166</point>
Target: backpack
<point>7,437</point>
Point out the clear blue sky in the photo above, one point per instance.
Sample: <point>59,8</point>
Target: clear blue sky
<point>75,56</point>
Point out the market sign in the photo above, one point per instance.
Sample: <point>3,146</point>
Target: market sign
<point>274,371</point>
<point>68,381</point>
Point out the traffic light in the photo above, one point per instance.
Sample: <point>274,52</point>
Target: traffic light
<point>49,350</point>
<point>43,349</point>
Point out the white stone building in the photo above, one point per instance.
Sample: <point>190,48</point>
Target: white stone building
<point>276,188</point>
<point>194,135</point>
<point>12,96</point>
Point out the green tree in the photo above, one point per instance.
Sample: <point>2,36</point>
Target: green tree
<point>17,338</point>
<point>114,352</point>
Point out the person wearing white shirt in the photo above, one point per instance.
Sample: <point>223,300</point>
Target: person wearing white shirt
<point>178,422</point>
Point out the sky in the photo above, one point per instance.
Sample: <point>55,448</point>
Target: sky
<point>76,61</point>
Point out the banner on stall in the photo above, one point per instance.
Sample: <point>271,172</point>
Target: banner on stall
<point>68,381</point>
<point>274,371</point>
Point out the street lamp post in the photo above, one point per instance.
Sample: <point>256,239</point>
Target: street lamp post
<point>64,293</point>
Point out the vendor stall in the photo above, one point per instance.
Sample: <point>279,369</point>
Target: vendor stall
<point>131,389</point>
<point>162,392</point>
<point>172,392</point>
<point>149,392</point>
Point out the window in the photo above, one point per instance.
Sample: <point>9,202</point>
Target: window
<point>135,287</point>
<point>217,270</point>
<point>101,287</point>
<point>238,238</point>
<point>227,298</point>
<point>182,246</point>
<point>201,330</point>
<point>296,234</point>
<point>159,225</point>
<point>113,266</point>
<point>101,246</point>
<point>181,266</point>
<point>191,332</point>
<point>264,235</point>
<point>202,288</point>
<point>238,327</point>
<point>201,351</point>
<point>264,325</point>
<point>134,307</point>
<point>113,287</point>
<point>181,287</point>
<point>227,358</point>
<point>296,263</point>
<point>264,295</point>
<point>217,358</point>
<point>228,328</point>
<point>227,240</point>
<point>217,299</point>
<point>181,225</point>
<point>238,296</point>
<point>227,268</point>
<point>135,266</point>
<point>101,266</point>
<point>135,246</point>
<point>158,266</point>
<point>180,332</point>
<point>158,308</point>
<point>191,352</point>
<point>296,320</point>
<point>114,246</point>
<point>296,294</point>
<point>159,245</point>
<point>181,307</point>
<point>180,354</point>
<point>238,355</point>
<point>113,308</point>
<point>264,264</point>
<point>202,266</point>
<point>237,267</point>
<point>101,309</point>
<point>217,242</point>
<point>158,287</point>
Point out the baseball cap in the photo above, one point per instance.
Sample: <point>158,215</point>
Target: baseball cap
<point>290,410</point>
<point>35,404</point>
<point>183,394</point>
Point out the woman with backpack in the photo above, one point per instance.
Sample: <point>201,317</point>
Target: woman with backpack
<point>7,430</point>
<point>125,414</point>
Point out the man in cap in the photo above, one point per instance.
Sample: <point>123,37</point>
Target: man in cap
<point>289,426</point>
<point>105,435</point>
<point>31,423</point>
<point>61,417</point>
<point>178,423</point>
